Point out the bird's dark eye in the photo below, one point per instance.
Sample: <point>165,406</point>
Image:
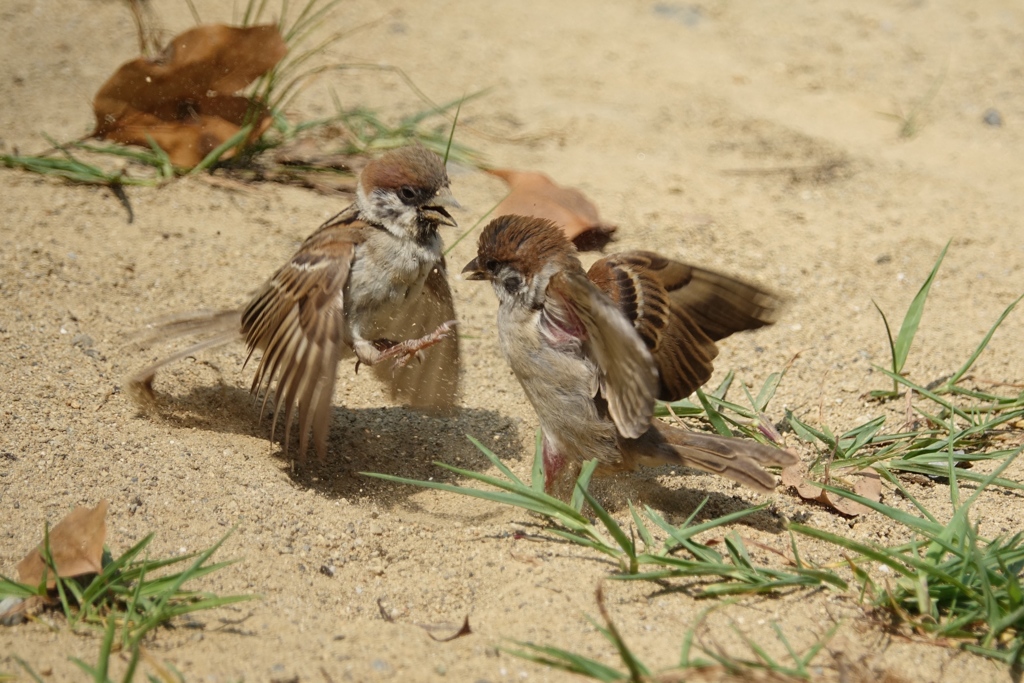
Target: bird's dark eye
<point>513,283</point>
<point>491,265</point>
<point>407,193</point>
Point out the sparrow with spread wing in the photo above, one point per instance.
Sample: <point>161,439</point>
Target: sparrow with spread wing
<point>594,350</point>
<point>370,282</point>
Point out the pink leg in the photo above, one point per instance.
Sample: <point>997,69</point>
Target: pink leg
<point>556,471</point>
<point>380,350</point>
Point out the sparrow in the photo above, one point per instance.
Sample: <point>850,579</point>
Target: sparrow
<point>371,283</point>
<point>594,350</point>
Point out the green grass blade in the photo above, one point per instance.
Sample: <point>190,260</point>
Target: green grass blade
<point>855,439</point>
<point>768,390</point>
<point>211,602</point>
<point>112,573</point>
<point>690,531</point>
<point>13,589</point>
<point>555,506</point>
<point>495,460</point>
<point>685,660</point>
<point>683,408</point>
<point>981,347</point>
<point>912,320</point>
<point>537,473</point>
<point>892,344</point>
<point>161,606</point>
<point>133,663</point>
<point>28,669</point>
<point>588,541</point>
<point>877,554</point>
<point>992,477</point>
<point>567,661</point>
<point>531,503</point>
<point>451,133</point>
<point>582,482</point>
<point>612,526</point>
<point>164,584</point>
<point>713,415</point>
<point>215,154</point>
<point>927,393</point>
<point>645,533</point>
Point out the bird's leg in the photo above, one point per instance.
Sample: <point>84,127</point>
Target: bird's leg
<point>380,350</point>
<point>559,474</point>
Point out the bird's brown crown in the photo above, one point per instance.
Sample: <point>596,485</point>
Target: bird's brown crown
<point>412,166</point>
<point>525,243</point>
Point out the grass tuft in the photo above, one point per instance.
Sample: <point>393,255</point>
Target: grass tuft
<point>678,555</point>
<point>358,130</point>
<point>716,662</point>
<point>951,582</point>
<point>129,599</point>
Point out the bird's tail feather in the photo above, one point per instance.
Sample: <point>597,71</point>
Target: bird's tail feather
<point>741,460</point>
<point>215,327</point>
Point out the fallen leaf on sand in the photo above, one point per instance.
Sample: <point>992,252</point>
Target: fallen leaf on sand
<point>866,484</point>
<point>535,194</point>
<point>76,546</point>
<point>184,100</point>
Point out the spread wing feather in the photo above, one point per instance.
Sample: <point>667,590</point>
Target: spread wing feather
<point>297,320</point>
<point>627,373</point>
<point>679,311</point>
<point>720,305</point>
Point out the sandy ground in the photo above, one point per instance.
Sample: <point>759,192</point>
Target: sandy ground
<point>675,118</point>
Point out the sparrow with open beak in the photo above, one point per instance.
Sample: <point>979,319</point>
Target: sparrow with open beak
<point>370,282</point>
<point>594,350</point>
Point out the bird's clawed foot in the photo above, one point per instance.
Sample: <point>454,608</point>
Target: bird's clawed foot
<point>404,351</point>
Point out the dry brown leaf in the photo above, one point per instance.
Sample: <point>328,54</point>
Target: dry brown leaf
<point>184,100</point>
<point>794,475</point>
<point>535,194</point>
<point>867,485</point>
<point>76,545</point>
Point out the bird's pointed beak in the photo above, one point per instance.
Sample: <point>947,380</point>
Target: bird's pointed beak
<point>473,271</point>
<point>436,209</point>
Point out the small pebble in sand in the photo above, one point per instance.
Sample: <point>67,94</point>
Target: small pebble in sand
<point>992,117</point>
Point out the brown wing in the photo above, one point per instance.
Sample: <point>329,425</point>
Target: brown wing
<point>297,320</point>
<point>682,352</point>
<point>718,304</point>
<point>679,311</point>
<point>432,384</point>
<point>627,373</point>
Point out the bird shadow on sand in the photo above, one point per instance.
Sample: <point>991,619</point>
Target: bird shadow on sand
<point>677,504</point>
<point>390,440</point>
<point>398,441</point>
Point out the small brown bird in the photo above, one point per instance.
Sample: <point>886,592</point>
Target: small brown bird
<point>370,282</point>
<point>594,350</point>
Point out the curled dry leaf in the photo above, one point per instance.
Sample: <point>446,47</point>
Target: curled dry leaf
<point>866,484</point>
<point>184,100</point>
<point>76,545</point>
<point>535,194</point>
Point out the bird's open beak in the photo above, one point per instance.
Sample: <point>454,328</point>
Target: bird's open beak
<point>472,271</point>
<point>436,209</point>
